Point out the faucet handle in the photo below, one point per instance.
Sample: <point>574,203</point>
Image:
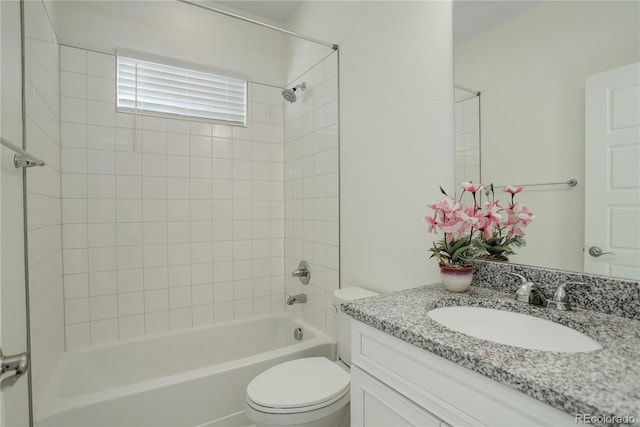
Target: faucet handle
<point>560,298</point>
<point>523,293</point>
<point>522,278</point>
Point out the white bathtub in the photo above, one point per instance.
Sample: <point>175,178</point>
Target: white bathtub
<point>191,378</point>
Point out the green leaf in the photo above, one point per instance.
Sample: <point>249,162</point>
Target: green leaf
<point>456,255</point>
<point>492,241</point>
<point>499,249</point>
<point>457,245</point>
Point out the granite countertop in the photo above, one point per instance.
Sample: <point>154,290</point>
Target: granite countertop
<point>602,382</point>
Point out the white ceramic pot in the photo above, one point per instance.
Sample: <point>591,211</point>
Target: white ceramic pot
<point>456,279</point>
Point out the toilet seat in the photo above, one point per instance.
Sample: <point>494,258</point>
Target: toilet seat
<point>300,385</point>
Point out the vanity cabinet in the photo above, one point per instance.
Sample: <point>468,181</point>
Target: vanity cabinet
<point>395,383</point>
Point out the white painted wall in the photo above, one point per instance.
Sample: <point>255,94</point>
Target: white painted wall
<point>174,30</point>
<point>396,132</point>
<point>531,72</point>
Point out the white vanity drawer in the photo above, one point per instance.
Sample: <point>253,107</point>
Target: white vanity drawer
<point>453,393</point>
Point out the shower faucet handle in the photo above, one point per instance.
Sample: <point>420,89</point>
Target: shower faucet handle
<point>302,273</point>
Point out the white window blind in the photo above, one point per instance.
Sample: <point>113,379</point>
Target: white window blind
<point>151,87</point>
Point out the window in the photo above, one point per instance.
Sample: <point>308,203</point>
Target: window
<point>157,88</point>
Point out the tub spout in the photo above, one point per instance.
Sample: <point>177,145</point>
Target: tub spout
<point>296,299</point>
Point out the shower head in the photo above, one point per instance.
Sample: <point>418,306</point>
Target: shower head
<point>290,94</point>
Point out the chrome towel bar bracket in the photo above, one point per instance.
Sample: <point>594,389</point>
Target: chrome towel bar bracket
<point>23,159</point>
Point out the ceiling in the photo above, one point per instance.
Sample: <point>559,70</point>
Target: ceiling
<point>470,17</point>
<point>274,11</point>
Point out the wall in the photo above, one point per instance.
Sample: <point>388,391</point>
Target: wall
<point>167,224</point>
<point>175,30</point>
<point>531,70</point>
<point>42,97</point>
<point>311,191</point>
<point>396,132</point>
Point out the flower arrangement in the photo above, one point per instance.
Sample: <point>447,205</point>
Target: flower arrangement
<point>507,233</point>
<point>471,232</point>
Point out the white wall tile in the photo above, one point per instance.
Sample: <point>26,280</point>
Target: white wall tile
<point>101,186</point>
<point>102,235</point>
<point>102,65</point>
<point>202,315</point>
<point>155,201</point>
<point>101,113</point>
<point>76,310</point>
<point>72,59</point>
<point>180,319</point>
<point>75,261</point>
<point>156,300</point>
<point>73,85</point>
<point>223,312</point>
<point>103,283</point>
<point>104,331</point>
<point>74,236</point>
<point>76,286</point>
<point>156,323</point>
<point>101,137</point>
<point>102,259</point>
<point>128,187</point>
<point>78,335</point>
<point>74,160</point>
<point>130,257</point>
<point>100,89</point>
<point>130,280</point>
<point>130,304</point>
<point>131,327</point>
<point>101,162</point>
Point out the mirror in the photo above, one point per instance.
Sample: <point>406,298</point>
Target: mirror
<point>529,61</point>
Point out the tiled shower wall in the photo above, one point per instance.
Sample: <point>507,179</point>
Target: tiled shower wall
<point>167,224</point>
<point>311,192</point>
<point>467,137</point>
<point>42,105</point>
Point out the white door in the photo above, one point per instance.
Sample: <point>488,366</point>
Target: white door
<point>14,402</point>
<point>612,173</point>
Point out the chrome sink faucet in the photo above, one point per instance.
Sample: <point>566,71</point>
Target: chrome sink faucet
<point>531,293</point>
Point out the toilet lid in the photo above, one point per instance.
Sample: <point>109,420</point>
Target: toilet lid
<point>299,383</point>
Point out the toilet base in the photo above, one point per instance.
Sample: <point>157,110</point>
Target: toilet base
<point>339,418</point>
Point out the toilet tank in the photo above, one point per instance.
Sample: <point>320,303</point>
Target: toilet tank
<point>343,336</point>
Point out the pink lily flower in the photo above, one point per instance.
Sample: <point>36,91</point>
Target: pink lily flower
<point>512,190</point>
<point>453,232</point>
<point>447,205</point>
<point>471,188</point>
<point>519,212</point>
<point>432,223</point>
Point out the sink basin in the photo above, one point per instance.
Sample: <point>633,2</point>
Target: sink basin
<point>514,329</point>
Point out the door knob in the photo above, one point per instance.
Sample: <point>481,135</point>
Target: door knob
<point>596,251</point>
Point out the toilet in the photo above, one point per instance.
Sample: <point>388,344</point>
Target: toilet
<point>312,391</point>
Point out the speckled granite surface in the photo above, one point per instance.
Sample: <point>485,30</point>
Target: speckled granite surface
<point>610,295</point>
<point>603,382</point>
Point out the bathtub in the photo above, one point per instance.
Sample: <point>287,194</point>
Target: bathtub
<point>196,377</point>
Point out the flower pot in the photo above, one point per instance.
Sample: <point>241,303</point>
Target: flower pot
<point>456,279</point>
